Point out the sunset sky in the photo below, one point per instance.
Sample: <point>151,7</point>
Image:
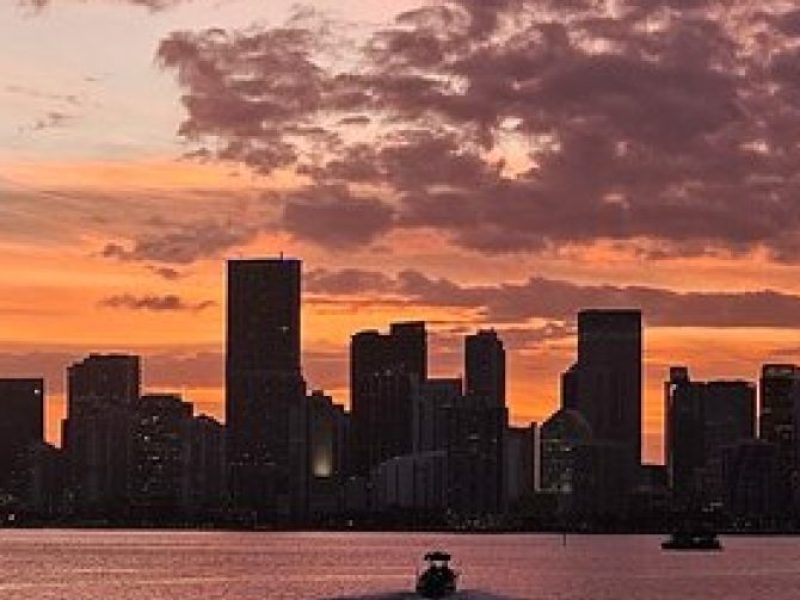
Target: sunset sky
<point>472,163</point>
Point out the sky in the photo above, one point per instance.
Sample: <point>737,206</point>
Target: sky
<point>472,163</point>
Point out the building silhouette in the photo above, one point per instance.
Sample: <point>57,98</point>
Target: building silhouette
<point>177,461</point>
<point>753,485</point>
<point>21,426</point>
<point>522,460</point>
<point>609,381</point>
<point>328,453</point>
<point>264,388</point>
<point>485,367</point>
<point>102,392</point>
<point>701,420</point>
<point>384,368</point>
<point>480,423</point>
<point>159,483</point>
<point>205,464</point>
<point>778,392</point>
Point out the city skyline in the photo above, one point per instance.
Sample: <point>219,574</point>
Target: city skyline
<point>652,378</point>
<point>463,207</point>
<point>414,450</point>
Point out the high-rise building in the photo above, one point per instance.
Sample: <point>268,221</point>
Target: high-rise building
<point>609,381</point>
<point>158,482</point>
<point>752,481</point>
<point>21,424</point>
<point>485,366</point>
<point>101,381</point>
<point>102,392</point>
<point>521,462</point>
<point>206,467</point>
<point>777,390</point>
<point>431,400</point>
<point>384,368</point>
<point>701,419</point>
<point>560,437</point>
<point>470,430</point>
<point>328,439</point>
<point>582,472</point>
<point>265,390</point>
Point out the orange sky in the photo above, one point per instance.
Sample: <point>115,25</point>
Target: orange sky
<point>52,290</point>
<point>651,159</point>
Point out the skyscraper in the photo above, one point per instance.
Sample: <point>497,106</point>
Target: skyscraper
<point>264,388</point>
<point>702,419</point>
<point>384,369</point>
<point>609,379</point>
<point>485,402</point>
<point>101,381</point>
<point>102,392</point>
<point>485,366</point>
<point>21,423</point>
<point>158,481</point>
<point>778,388</point>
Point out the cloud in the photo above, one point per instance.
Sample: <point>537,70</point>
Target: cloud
<point>558,301</point>
<point>167,273</point>
<point>153,5</point>
<point>182,243</point>
<point>166,303</point>
<point>515,126</point>
<point>51,120</point>
<point>333,217</point>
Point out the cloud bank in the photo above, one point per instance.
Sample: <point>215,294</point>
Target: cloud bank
<point>559,301</point>
<point>518,126</point>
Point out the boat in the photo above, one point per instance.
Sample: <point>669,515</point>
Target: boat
<point>438,580</point>
<point>692,540</point>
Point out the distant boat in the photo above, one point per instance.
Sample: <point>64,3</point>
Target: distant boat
<point>438,580</point>
<point>692,540</point>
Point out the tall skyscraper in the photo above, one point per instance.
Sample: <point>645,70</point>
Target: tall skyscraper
<point>102,392</point>
<point>609,380</point>
<point>701,420</point>
<point>384,368</point>
<point>264,385</point>
<point>21,423</point>
<point>778,388</point>
<point>485,366</point>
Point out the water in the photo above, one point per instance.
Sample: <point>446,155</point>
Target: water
<point>97,565</point>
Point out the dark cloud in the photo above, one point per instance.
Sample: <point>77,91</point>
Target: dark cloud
<point>166,303</point>
<point>347,281</point>
<point>331,216</point>
<point>557,301</point>
<point>182,243</point>
<point>167,273</point>
<point>511,125</point>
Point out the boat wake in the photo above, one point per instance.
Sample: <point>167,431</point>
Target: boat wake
<point>461,595</point>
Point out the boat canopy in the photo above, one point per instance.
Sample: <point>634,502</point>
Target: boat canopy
<point>437,556</point>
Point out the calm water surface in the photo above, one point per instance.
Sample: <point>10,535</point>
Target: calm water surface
<point>93,565</point>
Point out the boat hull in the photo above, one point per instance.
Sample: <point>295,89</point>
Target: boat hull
<point>704,546</point>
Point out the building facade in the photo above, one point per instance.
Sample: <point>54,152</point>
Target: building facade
<point>384,370</point>
<point>102,393</point>
<point>264,388</point>
<point>22,403</point>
